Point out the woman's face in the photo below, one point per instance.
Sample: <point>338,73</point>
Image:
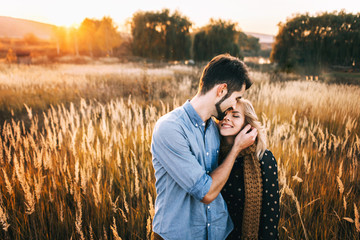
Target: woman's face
<point>233,121</point>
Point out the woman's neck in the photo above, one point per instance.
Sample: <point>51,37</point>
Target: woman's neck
<point>229,140</point>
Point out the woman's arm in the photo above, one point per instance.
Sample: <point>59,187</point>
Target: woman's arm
<point>270,212</point>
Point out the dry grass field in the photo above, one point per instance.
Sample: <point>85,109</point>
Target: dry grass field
<point>75,150</point>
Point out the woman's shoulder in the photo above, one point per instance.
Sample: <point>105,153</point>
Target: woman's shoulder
<point>268,164</point>
<point>268,156</point>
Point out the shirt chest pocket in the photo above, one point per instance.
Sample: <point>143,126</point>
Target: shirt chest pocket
<point>215,156</point>
<point>206,158</point>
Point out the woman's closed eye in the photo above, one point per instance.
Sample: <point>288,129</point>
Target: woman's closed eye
<point>236,114</point>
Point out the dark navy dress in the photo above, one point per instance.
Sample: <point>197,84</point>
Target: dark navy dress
<point>234,195</point>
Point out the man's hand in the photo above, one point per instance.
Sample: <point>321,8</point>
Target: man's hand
<point>245,138</point>
<point>220,175</point>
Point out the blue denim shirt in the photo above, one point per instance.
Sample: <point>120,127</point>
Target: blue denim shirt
<point>184,154</point>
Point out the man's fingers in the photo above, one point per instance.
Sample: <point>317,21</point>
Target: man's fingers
<point>252,135</point>
<point>246,128</point>
<point>254,131</point>
<point>246,137</point>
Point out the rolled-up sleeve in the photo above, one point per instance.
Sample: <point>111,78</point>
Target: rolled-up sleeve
<point>171,148</point>
<point>202,187</point>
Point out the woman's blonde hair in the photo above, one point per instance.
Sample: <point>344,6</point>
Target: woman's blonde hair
<point>252,119</point>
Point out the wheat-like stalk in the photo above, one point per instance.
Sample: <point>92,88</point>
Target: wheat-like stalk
<point>290,192</point>
<point>68,163</point>
<point>8,185</point>
<point>4,218</point>
<point>357,223</point>
<point>114,230</point>
<point>341,185</point>
<point>297,178</point>
<point>78,221</point>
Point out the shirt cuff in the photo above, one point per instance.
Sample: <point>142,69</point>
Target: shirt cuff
<point>201,187</point>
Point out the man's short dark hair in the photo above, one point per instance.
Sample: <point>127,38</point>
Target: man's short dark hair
<point>227,69</point>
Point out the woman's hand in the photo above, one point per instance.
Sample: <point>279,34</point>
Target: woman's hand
<point>245,138</point>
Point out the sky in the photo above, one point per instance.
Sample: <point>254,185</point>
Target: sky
<point>258,16</point>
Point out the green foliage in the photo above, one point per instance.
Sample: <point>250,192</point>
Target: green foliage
<point>342,77</point>
<point>221,36</point>
<point>159,35</point>
<point>315,43</point>
<point>217,37</point>
<point>249,45</point>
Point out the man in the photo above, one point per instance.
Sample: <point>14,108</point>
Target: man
<point>185,147</point>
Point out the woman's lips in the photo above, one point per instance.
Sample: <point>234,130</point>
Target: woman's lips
<point>225,125</point>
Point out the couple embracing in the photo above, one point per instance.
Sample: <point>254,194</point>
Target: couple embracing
<point>215,179</point>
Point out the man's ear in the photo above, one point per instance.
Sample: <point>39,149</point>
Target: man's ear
<point>222,90</point>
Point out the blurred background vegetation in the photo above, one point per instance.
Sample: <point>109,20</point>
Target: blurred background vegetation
<point>325,46</point>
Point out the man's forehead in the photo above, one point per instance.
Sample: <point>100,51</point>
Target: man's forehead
<point>238,94</point>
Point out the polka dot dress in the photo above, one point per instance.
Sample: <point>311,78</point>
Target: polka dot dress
<point>234,195</point>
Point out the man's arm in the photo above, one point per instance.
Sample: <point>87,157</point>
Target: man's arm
<point>170,148</point>
<point>221,174</point>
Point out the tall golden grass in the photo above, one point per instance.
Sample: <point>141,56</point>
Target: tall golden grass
<point>82,169</point>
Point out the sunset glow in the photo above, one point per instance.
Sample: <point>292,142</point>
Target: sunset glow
<point>253,16</point>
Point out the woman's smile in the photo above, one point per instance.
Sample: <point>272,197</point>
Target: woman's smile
<point>226,125</point>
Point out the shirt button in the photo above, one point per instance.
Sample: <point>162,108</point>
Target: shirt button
<point>207,154</point>
<point>207,172</point>
<point>196,124</point>
<point>203,124</point>
<point>208,224</point>
<point>208,207</point>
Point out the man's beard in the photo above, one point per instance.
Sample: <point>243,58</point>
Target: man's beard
<point>220,114</point>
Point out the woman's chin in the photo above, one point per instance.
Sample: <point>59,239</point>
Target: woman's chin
<point>227,134</point>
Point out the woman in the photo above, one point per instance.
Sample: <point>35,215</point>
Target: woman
<point>252,190</point>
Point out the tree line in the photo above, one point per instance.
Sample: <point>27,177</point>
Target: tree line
<point>314,43</point>
<point>93,38</point>
<point>158,35</point>
<point>303,41</point>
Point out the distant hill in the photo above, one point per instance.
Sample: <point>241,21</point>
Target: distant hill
<point>266,40</point>
<point>18,28</point>
<point>263,38</point>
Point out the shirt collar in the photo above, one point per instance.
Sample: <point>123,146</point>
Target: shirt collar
<point>193,115</point>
